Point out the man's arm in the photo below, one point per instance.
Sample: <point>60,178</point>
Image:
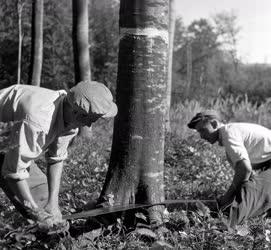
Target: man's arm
<point>54,172</point>
<point>17,160</point>
<point>243,170</point>
<point>56,154</point>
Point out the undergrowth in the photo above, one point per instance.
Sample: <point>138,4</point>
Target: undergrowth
<point>193,170</point>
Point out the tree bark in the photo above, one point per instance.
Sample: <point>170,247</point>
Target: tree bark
<point>81,48</point>
<point>37,42</point>
<point>172,17</point>
<point>136,166</point>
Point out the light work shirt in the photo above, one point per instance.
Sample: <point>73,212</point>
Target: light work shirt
<point>40,127</point>
<point>246,141</point>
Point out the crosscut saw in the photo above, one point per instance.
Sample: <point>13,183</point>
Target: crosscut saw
<point>122,208</point>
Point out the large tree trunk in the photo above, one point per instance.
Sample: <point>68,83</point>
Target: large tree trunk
<point>136,166</point>
<point>172,17</point>
<point>37,43</point>
<point>81,48</point>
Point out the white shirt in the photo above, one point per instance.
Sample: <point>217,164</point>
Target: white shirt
<point>40,127</point>
<point>246,141</point>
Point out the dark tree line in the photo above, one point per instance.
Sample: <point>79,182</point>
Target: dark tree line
<point>206,62</point>
<point>205,58</point>
<point>57,69</point>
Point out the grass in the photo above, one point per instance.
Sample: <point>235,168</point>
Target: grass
<point>193,170</point>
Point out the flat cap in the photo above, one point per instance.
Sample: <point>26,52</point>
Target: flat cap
<point>207,114</point>
<point>93,97</point>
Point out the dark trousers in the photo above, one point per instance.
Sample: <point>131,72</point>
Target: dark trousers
<point>37,183</point>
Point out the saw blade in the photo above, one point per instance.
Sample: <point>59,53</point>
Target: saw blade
<point>121,208</point>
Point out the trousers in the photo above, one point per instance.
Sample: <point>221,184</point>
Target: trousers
<point>37,183</point>
<point>252,199</point>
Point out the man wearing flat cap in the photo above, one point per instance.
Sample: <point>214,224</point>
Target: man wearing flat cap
<point>248,150</point>
<point>46,121</point>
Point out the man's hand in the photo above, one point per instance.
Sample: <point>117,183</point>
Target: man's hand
<point>46,222</point>
<point>242,173</point>
<point>223,202</point>
<point>54,212</point>
<point>37,214</point>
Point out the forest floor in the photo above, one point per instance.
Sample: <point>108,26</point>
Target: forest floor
<point>193,170</point>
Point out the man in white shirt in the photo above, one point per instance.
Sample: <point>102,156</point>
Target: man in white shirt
<point>248,148</point>
<point>46,121</point>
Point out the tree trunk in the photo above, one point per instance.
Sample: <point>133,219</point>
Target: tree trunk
<point>136,166</point>
<point>20,10</point>
<point>37,42</point>
<point>81,48</point>
<point>80,40</point>
<point>188,68</point>
<point>172,17</point>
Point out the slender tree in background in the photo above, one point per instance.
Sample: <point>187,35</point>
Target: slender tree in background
<point>172,18</point>
<point>104,41</point>
<point>136,168</point>
<point>20,39</point>
<point>204,45</point>
<point>58,66</point>
<point>37,43</point>
<point>188,67</point>
<point>81,48</point>
<point>228,30</point>
<point>81,41</point>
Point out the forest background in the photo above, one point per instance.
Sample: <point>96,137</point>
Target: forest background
<point>205,61</point>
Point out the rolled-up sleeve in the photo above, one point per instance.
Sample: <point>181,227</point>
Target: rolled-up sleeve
<point>235,148</point>
<point>29,140</point>
<point>58,150</point>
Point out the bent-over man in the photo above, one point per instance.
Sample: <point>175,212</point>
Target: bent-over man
<point>46,121</point>
<point>248,150</point>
